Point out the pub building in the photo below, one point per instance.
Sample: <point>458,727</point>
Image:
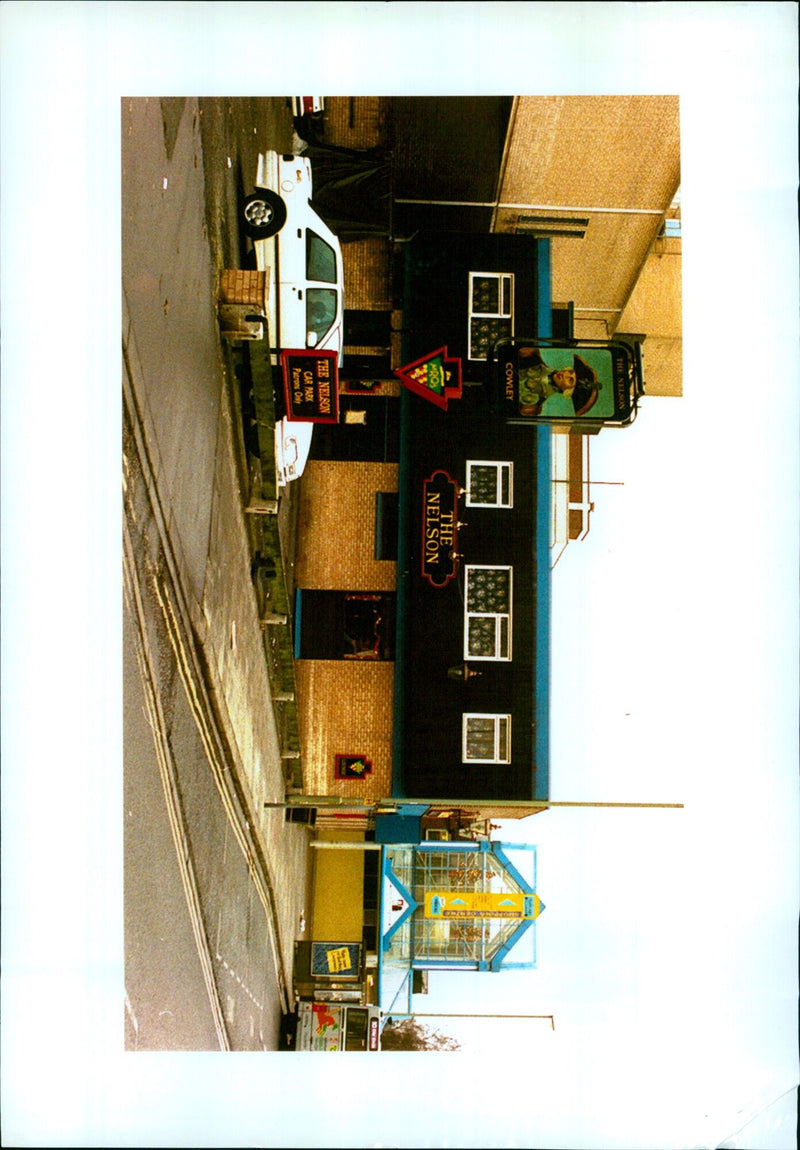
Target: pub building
<point>428,520</point>
<point>470,906</point>
<point>422,630</point>
<point>423,552</point>
<point>422,636</point>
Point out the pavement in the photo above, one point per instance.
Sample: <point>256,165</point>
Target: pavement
<point>220,619</point>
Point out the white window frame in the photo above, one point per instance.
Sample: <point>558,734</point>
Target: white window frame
<point>502,755</point>
<point>498,656</point>
<point>501,313</point>
<point>498,465</point>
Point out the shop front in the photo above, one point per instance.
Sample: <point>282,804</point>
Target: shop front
<point>454,906</point>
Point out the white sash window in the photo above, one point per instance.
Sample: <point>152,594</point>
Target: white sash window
<point>489,484</point>
<point>487,739</point>
<point>487,621</point>
<point>491,311</point>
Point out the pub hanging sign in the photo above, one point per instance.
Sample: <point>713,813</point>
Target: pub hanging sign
<point>439,529</point>
<point>579,382</point>
<point>311,385</point>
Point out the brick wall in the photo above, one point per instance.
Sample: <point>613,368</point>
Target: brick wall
<point>241,286</point>
<point>345,708</point>
<point>360,122</point>
<point>655,307</point>
<point>367,274</point>
<point>354,121</point>
<point>336,527</point>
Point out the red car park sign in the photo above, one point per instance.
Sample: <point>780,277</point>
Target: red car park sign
<point>311,385</point>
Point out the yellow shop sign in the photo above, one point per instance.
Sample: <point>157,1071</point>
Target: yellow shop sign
<point>481,904</point>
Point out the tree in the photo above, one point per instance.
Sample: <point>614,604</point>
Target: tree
<point>408,1034</point>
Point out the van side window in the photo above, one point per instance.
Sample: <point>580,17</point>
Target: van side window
<point>320,310</point>
<point>320,259</point>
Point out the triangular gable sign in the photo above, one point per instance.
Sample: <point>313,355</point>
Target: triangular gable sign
<point>435,377</point>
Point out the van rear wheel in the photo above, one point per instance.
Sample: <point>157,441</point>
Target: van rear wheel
<point>264,214</point>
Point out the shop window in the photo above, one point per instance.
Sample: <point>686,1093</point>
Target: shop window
<point>487,623</point>
<point>489,484</point>
<point>345,625</point>
<point>487,739</point>
<point>491,311</point>
<point>367,630</point>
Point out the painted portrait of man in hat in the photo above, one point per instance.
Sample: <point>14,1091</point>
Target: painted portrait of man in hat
<point>540,382</point>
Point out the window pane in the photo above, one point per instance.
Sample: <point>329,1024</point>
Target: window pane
<point>489,484</point>
<point>484,333</point>
<point>480,738</point>
<point>488,589</point>
<point>485,294</point>
<point>320,310</point>
<point>483,484</point>
<point>503,740</point>
<point>482,637</point>
<point>487,738</point>
<point>504,647</point>
<point>505,486</point>
<point>320,259</point>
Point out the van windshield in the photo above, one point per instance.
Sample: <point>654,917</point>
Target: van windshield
<point>320,311</point>
<point>320,259</point>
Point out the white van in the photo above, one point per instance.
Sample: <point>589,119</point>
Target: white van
<point>300,254</point>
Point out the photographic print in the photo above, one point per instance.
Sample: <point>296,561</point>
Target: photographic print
<point>430,689</point>
<point>382,578</point>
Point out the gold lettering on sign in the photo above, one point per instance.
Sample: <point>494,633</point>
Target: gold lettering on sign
<point>510,381</point>
<point>432,513</point>
<point>439,529</point>
<point>324,397</point>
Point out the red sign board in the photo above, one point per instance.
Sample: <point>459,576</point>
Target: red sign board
<point>439,529</point>
<point>352,766</point>
<point>435,376</point>
<point>311,385</point>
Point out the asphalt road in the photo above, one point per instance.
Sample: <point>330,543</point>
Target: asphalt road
<point>215,885</point>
